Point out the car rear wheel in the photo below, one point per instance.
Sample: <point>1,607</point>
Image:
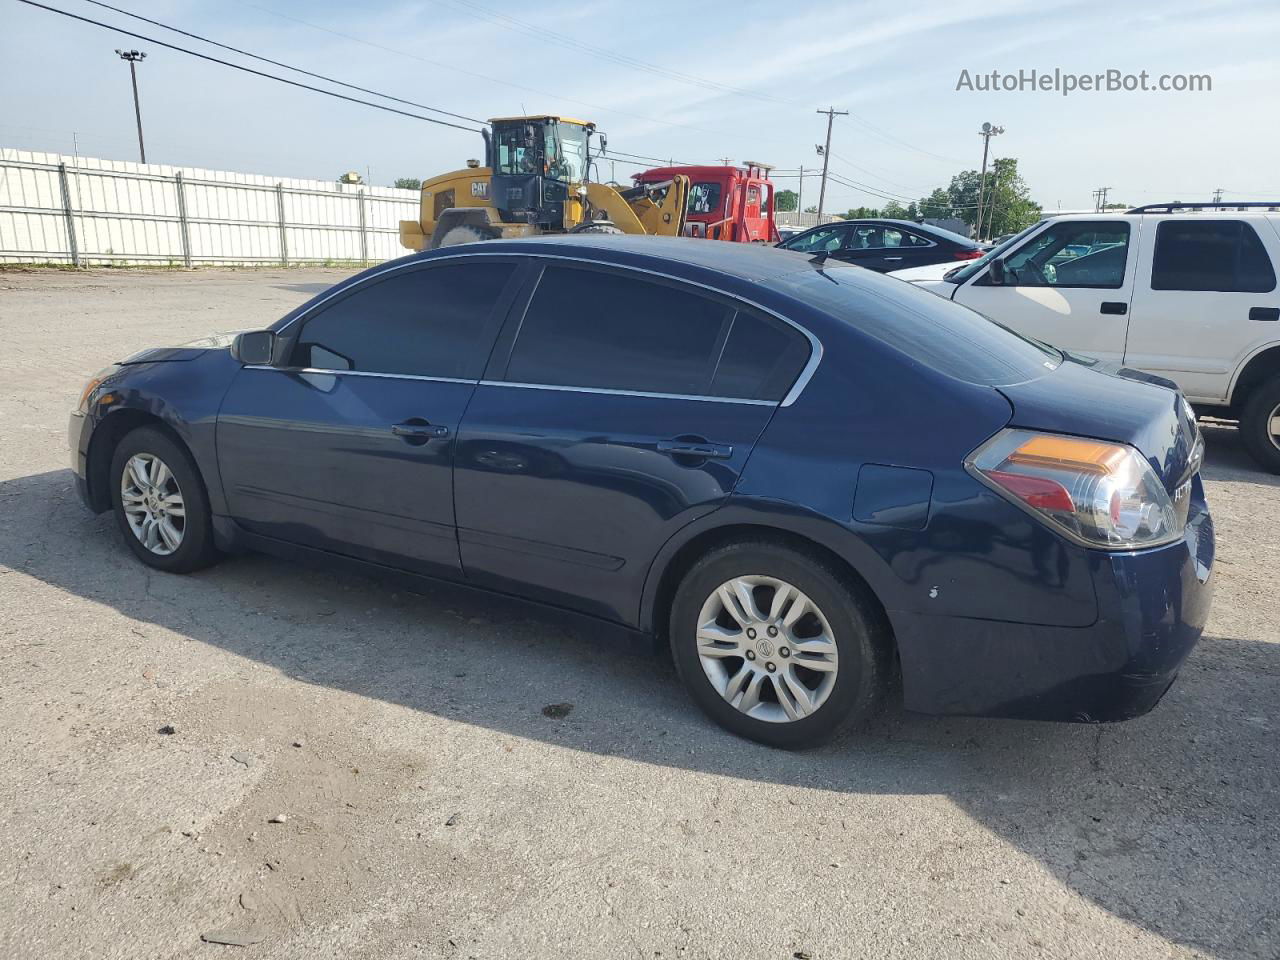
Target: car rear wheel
<point>776,646</point>
<point>1260,424</point>
<point>160,503</point>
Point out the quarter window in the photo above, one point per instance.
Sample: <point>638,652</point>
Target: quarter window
<point>433,322</point>
<point>599,329</point>
<point>1072,253</point>
<point>1221,255</point>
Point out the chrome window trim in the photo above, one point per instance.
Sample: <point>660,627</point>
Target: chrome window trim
<point>358,373</point>
<point>806,373</point>
<point>609,391</point>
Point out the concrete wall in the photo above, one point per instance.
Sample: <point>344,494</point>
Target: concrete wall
<point>85,211</point>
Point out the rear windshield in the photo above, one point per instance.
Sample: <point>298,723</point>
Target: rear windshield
<point>951,339</point>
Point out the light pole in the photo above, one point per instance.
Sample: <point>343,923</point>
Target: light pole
<point>987,132</point>
<point>134,56</point>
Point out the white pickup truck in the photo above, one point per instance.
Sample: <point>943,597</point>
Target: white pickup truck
<point>1185,293</point>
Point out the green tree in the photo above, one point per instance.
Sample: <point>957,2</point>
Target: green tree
<point>408,183</point>
<point>812,209</point>
<point>1006,201</point>
<point>937,205</point>
<point>786,201</point>
<point>862,213</point>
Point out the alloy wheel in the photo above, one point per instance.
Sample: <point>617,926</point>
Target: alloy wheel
<point>767,648</point>
<point>153,503</point>
<point>1273,426</point>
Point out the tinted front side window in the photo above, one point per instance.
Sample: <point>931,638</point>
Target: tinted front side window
<point>1221,255</point>
<point>1072,253</point>
<point>432,322</point>
<point>943,335</point>
<point>826,238</point>
<point>590,328</point>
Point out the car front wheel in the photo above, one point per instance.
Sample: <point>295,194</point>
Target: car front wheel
<point>777,645</point>
<point>160,503</point>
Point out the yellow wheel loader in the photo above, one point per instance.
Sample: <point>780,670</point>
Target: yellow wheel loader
<point>537,178</point>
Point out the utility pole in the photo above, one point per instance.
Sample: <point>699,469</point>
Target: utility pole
<point>134,56</point>
<point>831,113</point>
<point>725,161</point>
<point>987,132</point>
<point>800,197</point>
<point>1217,195</point>
<point>1101,195</point>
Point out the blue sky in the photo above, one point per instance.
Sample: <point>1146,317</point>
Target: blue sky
<point>714,79</point>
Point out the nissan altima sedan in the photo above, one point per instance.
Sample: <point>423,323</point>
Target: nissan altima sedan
<point>815,482</point>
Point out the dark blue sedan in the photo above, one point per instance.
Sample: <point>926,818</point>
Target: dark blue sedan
<point>816,482</point>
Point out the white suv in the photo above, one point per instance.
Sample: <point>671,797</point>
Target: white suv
<point>1185,293</point>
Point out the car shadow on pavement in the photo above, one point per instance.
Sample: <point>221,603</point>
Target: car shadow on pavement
<point>1169,821</point>
<point>1227,459</point>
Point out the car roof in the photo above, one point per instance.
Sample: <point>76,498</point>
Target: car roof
<point>751,262</point>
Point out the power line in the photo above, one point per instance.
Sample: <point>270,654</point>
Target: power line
<point>481,76</point>
<point>237,66</point>
<point>525,28</point>
<point>277,63</point>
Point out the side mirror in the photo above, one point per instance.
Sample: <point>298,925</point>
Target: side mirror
<point>604,144</point>
<point>996,271</point>
<point>255,348</point>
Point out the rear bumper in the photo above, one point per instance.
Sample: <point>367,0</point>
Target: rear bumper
<point>1152,608</point>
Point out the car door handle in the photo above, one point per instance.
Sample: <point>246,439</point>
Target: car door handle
<point>892,259</point>
<point>699,449</point>
<point>419,430</point>
<point>1118,307</point>
<point>1264,313</point>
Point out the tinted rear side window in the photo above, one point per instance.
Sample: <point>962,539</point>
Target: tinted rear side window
<point>432,322</point>
<point>943,335</point>
<point>591,328</point>
<point>761,359</point>
<point>1221,255</point>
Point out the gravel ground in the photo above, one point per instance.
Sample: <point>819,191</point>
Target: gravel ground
<point>432,809</point>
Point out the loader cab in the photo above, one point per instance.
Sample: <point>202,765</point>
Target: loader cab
<point>538,163</point>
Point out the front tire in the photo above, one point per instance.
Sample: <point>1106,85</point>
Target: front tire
<point>776,645</point>
<point>160,503</point>
<point>1260,425</point>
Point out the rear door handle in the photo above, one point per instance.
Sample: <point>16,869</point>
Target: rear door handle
<point>1118,307</point>
<point>701,450</point>
<point>1264,313</point>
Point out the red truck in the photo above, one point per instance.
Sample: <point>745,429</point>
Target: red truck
<point>725,203</point>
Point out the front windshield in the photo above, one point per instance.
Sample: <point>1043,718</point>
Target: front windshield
<point>704,197</point>
<point>961,274</point>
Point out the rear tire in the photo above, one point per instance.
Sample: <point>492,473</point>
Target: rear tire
<point>465,234</point>
<point>160,502</point>
<point>750,677</point>
<point>1260,424</point>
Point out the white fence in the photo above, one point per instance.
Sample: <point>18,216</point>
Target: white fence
<point>84,211</point>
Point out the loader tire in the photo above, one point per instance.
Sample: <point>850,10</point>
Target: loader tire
<point>600,228</point>
<point>465,234</point>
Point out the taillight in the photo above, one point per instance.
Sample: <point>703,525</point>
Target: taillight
<point>967,254</point>
<point>1098,493</point>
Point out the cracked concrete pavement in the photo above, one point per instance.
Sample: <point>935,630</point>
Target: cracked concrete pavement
<point>432,809</point>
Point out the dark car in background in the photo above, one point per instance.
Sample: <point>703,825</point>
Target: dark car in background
<point>816,483</point>
<point>884,245</point>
